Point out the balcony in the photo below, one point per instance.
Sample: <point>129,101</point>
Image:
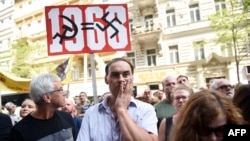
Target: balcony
<point>142,28</point>
<point>146,31</point>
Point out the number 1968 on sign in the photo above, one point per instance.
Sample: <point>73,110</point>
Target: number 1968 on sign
<point>84,29</point>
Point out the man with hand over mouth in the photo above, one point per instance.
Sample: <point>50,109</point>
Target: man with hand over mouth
<point>119,117</point>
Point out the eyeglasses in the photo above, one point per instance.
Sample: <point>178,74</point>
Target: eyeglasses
<point>225,87</point>
<point>59,90</point>
<point>218,131</point>
<point>178,98</point>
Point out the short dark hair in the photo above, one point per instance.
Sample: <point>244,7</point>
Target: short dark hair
<point>116,60</point>
<point>182,76</point>
<point>83,93</point>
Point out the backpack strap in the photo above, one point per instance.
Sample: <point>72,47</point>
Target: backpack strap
<point>169,122</point>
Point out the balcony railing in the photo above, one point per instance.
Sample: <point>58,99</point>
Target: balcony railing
<point>141,28</point>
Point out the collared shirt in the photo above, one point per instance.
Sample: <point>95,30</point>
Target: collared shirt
<point>99,123</point>
<point>15,118</point>
<point>86,107</point>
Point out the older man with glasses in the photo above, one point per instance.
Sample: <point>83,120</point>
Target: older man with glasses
<point>46,123</point>
<point>223,86</point>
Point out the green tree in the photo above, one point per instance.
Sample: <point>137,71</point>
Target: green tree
<point>24,56</point>
<point>246,4</point>
<point>232,29</point>
<point>20,52</point>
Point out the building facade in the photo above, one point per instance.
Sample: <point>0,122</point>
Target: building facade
<point>6,32</point>
<point>168,38</point>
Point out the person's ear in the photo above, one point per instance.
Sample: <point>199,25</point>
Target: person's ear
<point>106,81</point>
<point>46,98</point>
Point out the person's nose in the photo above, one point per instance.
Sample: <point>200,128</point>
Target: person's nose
<point>229,88</point>
<point>121,78</point>
<point>181,100</point>
<point>25,108</point>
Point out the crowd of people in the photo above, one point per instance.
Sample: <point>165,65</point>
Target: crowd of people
<point>178,112</point>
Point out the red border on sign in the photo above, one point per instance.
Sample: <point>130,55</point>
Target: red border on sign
<point>61,48</point>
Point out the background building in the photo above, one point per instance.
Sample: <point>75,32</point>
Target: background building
<point>169,37</point>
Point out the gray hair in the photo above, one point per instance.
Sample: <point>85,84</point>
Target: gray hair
<point>214,84</point>
<point>9,105</point>
<point>41,85</point>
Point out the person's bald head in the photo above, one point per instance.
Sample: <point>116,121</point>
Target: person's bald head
<point>69,106</point>
<point>168,83</point>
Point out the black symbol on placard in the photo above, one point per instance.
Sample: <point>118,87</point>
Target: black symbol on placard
<point>85,26</point>
<point>109,23</point>
<point>66,29</point>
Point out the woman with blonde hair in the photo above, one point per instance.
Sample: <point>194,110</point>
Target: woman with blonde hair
<point>204,116</point>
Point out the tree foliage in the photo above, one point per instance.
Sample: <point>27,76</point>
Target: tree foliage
<point>24,56</point>
<point>231,25</point>
<point>246,4</point>
<point>20,52</point>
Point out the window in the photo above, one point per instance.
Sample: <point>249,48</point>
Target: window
<point>75,73</point>
<point>199,50</point>
<point>220,5</point>
<point>8,41</point>
<point>199,53</point>
<point>154,87</point>
<point>148,20</point>
<point>194,13</point>
<point>131,25</point>
<point>131,58</point>
<point>89,71</point>
<point>247,44</point>
<point>134,91</point>
<point>171,18</point>
<point>151,57</point>
<point>226,51</point>
<point>173,54</point>
<point>247,69</point>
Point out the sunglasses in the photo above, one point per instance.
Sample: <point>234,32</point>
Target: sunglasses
<point>226,86</point>
<point>218,131</point>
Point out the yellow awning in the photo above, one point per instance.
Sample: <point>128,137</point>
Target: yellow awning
<point>5,90</point>
<point>12,84</point>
